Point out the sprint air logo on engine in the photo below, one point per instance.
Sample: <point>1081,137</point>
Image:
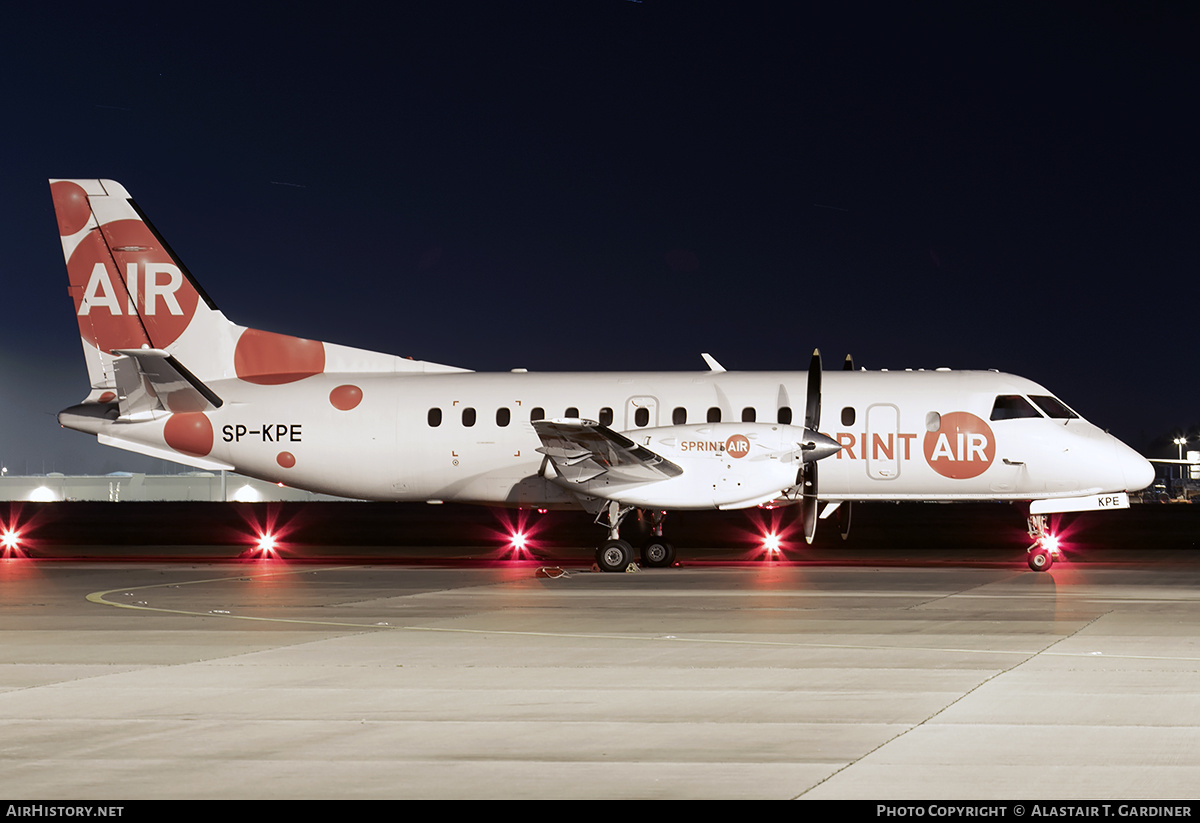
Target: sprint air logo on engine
<point>962,446</point>
<point>737,446</point>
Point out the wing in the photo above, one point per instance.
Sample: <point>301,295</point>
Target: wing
<point>582,450</point>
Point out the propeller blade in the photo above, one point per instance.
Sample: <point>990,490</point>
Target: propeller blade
<point>808,503</point>
<point>843,516</point>
<point>812,410</point>
<point>808,472</point>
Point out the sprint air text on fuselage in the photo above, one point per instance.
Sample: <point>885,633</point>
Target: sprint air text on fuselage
<point>960,446</point>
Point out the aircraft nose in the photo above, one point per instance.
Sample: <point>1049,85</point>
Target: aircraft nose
<point>1137,470</point>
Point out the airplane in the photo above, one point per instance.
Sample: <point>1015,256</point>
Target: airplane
<point>171,377</point>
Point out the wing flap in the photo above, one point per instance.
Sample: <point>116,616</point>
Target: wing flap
<point>583,450</point>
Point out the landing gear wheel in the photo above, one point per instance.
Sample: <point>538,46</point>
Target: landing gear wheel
<point>657,555</point>
<point>1040,560</point>
<point>614,556</point>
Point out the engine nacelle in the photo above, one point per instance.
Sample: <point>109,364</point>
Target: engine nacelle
<point>724,465</point>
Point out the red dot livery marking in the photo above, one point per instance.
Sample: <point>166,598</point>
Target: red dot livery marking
<point>71,206</point>
<point>269,359</point>
<point>963,446</point>
<point>189,433</point>
<point>738,445</point>
<point>120,273</point>
<point>345,397</point>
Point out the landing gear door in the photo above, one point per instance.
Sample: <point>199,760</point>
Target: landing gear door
<point>881,447</point>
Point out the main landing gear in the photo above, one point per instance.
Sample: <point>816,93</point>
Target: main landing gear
<point>1044,550</point>
<point>617,555</point>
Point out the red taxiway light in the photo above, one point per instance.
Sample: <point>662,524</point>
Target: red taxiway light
<point>10,543</point>
<point>518,532</point>
<point>267,545</point>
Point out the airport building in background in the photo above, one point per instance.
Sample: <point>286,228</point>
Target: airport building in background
<point>126,486</point>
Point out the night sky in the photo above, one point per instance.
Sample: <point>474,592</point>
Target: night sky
<point>605,184</point>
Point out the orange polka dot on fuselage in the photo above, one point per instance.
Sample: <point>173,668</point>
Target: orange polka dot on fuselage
<point>346,397</point>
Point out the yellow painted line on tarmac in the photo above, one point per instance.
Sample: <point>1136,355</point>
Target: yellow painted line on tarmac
<point>100,598</point>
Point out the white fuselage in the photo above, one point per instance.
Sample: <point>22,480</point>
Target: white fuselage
<point>893,448</point>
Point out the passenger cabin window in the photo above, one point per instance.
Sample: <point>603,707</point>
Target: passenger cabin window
<point>641,417</point>
<point>679,416</point>
<point>848,416</point>
<point>784,415</point>
<point>714,415</point>
<point>571,412</point>
<point>537,413</point>
<point>503,416</point>
<point>468,417</point>
<point>1012,407</point>
<point>606,416</point>
<point>435,418</point>
<point>1053,407</point>
<point>749,415</point>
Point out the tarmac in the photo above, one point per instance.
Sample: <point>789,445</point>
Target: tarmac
<point>415,673</point>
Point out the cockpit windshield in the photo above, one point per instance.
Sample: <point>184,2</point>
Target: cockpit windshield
<point>1012,407</point>
<point>1053,407</point>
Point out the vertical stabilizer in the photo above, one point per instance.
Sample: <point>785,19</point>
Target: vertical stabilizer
<point>129,289</point>
<point>131,292</point>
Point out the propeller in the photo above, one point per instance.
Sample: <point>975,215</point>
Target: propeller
<point>806,479</point>
<point>843,513</point>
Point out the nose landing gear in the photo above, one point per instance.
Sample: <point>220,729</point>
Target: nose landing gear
<point>1044,550</point>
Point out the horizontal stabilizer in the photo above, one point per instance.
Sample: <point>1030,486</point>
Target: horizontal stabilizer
<point>206,463</point>
<point>151,379</point>
<point>583,450</point>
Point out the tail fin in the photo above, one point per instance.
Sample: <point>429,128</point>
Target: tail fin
<point>129,288</point>
<point>131,292</point>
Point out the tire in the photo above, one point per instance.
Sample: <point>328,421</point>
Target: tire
<point>1040,560</point>
<point>658,555</point>
<point>614,556</point>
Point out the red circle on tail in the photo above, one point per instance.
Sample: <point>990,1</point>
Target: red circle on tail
<point>166,300</point>
<point>71,206</point>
